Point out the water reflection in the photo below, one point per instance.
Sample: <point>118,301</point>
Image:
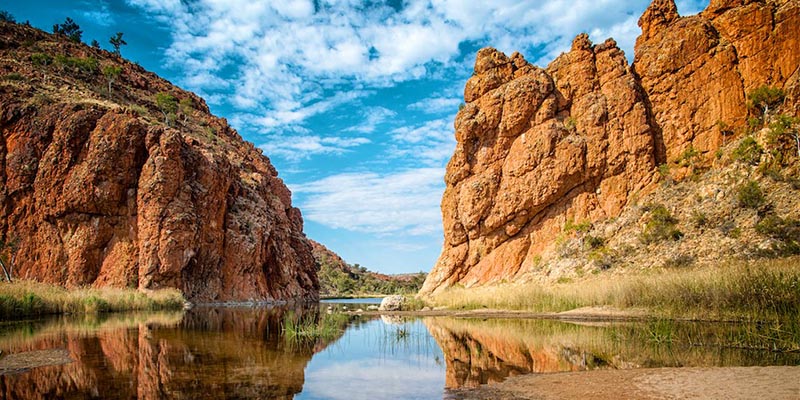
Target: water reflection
<point>485,351</point>
<point>241,353</point>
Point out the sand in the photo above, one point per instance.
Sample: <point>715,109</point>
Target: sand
<point>730,383</point>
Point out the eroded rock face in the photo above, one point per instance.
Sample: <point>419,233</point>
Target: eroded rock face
<point>579,140</point>
<point>535,148</point>
<point>697,70</point>
<point>98,194</point>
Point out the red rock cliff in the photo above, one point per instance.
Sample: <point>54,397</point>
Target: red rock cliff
<point>580,139</point>
<point>98,190</point>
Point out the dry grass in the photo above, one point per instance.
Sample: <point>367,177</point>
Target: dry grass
<point>27,298</point>
<point>743,290</point>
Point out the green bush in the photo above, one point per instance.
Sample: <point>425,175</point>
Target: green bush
<point>763,98</point>
<point>593,242</point>
<point>786,231</point>
<point>84,66</point>
<point>13,77</point>
<point>662,225</point>
<point>750,195</point>
<point>748,151</point>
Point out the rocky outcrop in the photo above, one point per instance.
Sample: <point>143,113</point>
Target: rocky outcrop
<point>580,140</point>
<point>697,70</point>
<point>98,190</point>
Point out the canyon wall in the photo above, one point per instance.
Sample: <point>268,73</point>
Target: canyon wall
<point>110,188</point>
<point>539,150</point>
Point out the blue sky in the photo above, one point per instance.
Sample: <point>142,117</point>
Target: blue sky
<point>353,101</point>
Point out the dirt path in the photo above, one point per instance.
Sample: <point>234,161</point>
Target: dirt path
<point>733,383</point>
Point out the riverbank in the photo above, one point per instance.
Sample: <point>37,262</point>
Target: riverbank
<point>746,290</point>
<point>23,299</point>
<point>731,383</point>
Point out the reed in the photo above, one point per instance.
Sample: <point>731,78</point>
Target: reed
<point>23,299</point>
<point>765,289</point>
<point>310,327</point>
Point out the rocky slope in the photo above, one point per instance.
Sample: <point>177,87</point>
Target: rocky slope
<point>100,184</point>
<point>543,151</point>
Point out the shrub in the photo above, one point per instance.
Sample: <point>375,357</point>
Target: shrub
<point>699,218</point>
<point>661,225</point>
<point>765,97</point>
<point>13,77</point>
<point>41,59</point>
<point>167,104</point>
<point>593,242</point>
<point>782,130</point>
<point>786,231</point>
<point>85,66</point>
<point>748,151</point>
<point>750,195</point>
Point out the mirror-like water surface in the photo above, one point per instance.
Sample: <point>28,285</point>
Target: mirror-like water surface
<point>244,353</point>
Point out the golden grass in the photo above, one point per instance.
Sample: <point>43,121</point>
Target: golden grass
<point>27,298</point>
<point>751,290</point>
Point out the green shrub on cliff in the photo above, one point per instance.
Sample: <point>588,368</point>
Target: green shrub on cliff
<point>749,195</point>
<point>661,226</point>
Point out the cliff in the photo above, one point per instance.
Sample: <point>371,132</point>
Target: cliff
<point>543,153</point>
<point>112,176</point>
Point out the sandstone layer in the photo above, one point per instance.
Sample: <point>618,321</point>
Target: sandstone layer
<point>98,190</point>
<point>539,150</point>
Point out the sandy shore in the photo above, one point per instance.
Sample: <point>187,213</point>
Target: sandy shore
<point>732,383</point>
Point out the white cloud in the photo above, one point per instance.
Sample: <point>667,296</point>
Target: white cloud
<point>431,143</point>
<point>303,146</point>
<point>99,14</point>
<point>373,116</point>
<point>285,54</point>
<point>436,105</point>
<point>404,202</point>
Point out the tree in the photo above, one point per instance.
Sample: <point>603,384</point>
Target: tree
<point>111,72</point>
<point>8,255</point>
<point>6,16</point>
<point>167,104</point>
<point>69,29</point>
<point>42,60</point>
<point>95,44</point>
<point>785,126</point>
<point>117,42</point>
<point>186,106</point>
<point>765,97</point>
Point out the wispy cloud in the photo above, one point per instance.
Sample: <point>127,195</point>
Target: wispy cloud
<point>299,147</point>
<point>436,105</point>
<point>431,143</point>
<point>372,117</point>
<point>404,202</point>
<point>98,13</point>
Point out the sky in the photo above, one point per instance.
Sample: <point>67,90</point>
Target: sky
<point>352,101</point>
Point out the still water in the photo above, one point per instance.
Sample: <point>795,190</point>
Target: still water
<point>243,353</point>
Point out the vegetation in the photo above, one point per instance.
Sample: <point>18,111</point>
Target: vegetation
<point>168,106</point>
<point>785,231</point>
<point>749,195</point>
<point>784,128</point>
<point>662,225</point>
<point>111,72</point>
<point>95,44</point>
<point>6,16</point>
<point>26,298</point>
<point>765,97</point>
<point>748,151</point>
<point>355,280</point>
<point>8,255</point>
<point>78,65</point>
<point>117,41</point>
<point>69,29</point>
<point>312,326</point>
<point>761,290</point>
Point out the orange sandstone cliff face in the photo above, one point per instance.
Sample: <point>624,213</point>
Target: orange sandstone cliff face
<point>579,140</point>
<point>99,191</point>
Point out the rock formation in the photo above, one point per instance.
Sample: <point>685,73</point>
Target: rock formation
<point>98,190</point>
<point>580,140</point>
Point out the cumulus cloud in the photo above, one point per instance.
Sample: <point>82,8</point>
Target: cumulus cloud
<point>436,105</point>
<point>285,54</point>
<point>405,202</point>
<point>430,143</point>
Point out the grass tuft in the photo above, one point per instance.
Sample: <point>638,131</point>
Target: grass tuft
<point>746,290</point>
<point>27,298</point>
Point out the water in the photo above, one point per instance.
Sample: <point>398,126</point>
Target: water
<point>360,301</point>
<point>242,353</point>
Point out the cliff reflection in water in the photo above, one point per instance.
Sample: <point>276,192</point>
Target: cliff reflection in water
<point>205,353</point>
<point>485,351</point>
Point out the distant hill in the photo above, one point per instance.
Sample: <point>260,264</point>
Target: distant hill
<point>338,278</point>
